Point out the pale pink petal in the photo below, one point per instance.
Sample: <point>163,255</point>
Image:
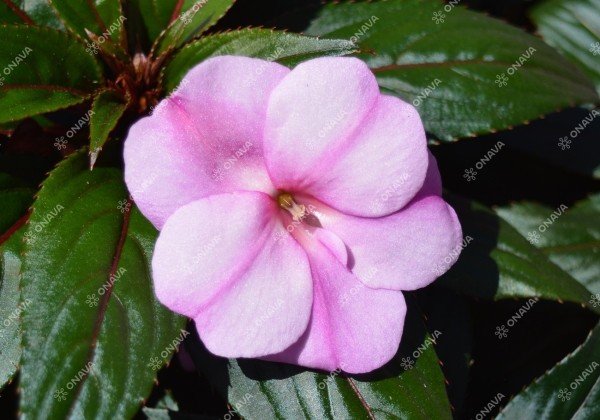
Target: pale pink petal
<point>330,134</point>
<point>352,327</point>
<point>216,261</point>
<point>206,138</point>
<point>433,180</point>
<point>334,243</point>
<point>402,251</point>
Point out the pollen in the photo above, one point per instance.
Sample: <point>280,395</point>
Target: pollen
<point>286,201</point>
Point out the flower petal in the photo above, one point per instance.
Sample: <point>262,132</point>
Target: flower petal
<point>433,180</point>
<point>330,134</point>
<point>352,327</point>
<point>216,261</point>
<point>402,251</point>
<point>206,138</point>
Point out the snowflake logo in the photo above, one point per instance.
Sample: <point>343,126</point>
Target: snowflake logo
<point>470,174</point>
<point>564,394</point>
<point>60,394</point>
<point>564,143</point>
<point>217,174</point>
<point>595,48</point>
<point>438,17</point>
<point>154,363</point>
<point>29,238</point>
<point>595,300</point>
<point>407,363</point>
<point>501,80</point>
<point>123,206</point>
<point>60,143</point>
<point>533,237</point>
<point>501,332</point>
<point>186,19</point>
<point>92,48</point>
<point>92,300</point>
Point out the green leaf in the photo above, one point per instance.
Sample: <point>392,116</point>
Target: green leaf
<point>155,15</point>
<point>499,263</point>
<point>10,309</point>
<point>283,47</point>
<point>570,390</point>
<point>167,409</point>
<point>8,128</point>
<point>15,197</point>
<point>195,18</point>
<point>49,70</point>
<point>108,107</point>
<point>9,14</point>
<point>164,408</point>
<point>573,27</point>
<point>37,12</point>
<point>94,332</point>
<point>569,237</point>
<point>449,70</point>
<point>449,313</point>
<point>264,390</point>
<point>98,16</point>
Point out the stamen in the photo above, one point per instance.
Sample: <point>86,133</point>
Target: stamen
<point>286,201</point>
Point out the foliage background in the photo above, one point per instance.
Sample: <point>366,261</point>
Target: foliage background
<point>496,275</point>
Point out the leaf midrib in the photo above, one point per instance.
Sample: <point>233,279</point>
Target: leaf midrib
<point>103,305</point>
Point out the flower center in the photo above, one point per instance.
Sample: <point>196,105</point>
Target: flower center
<point>286,201</point>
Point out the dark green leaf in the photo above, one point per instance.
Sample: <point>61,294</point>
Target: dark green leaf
<point>573,27</point>
<point>569,237</point>
<point>570,390</point>
<point>163,410</point>
<point>167,409</point>
<point>10,308</point>
<point>98,16</point>
<point>264,390</point>
<point>9,14</point>
<point>498,262</point>
<point>15,197</point>
<point>8,127</point>
<point>37,12</point>
<point>195,18</point>
<point>108,107</point>
<point>450,314</point>
<point>283,47</point>
<point>94,331</point>
<point>452,70</point>
<point>48,70</point>
<point>155,15</point>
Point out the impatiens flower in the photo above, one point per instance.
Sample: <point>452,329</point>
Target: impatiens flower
<point>293,207</point>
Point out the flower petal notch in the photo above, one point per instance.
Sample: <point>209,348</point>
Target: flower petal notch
<point>294,209</point>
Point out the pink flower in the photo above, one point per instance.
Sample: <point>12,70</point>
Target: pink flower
<point>326,205</point>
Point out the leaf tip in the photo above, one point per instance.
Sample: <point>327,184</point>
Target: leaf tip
<point>94,157</point>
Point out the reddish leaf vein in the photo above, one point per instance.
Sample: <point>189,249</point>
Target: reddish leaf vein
<point>19,12</point>
<point>361,398</point>
<point>106,297</point>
